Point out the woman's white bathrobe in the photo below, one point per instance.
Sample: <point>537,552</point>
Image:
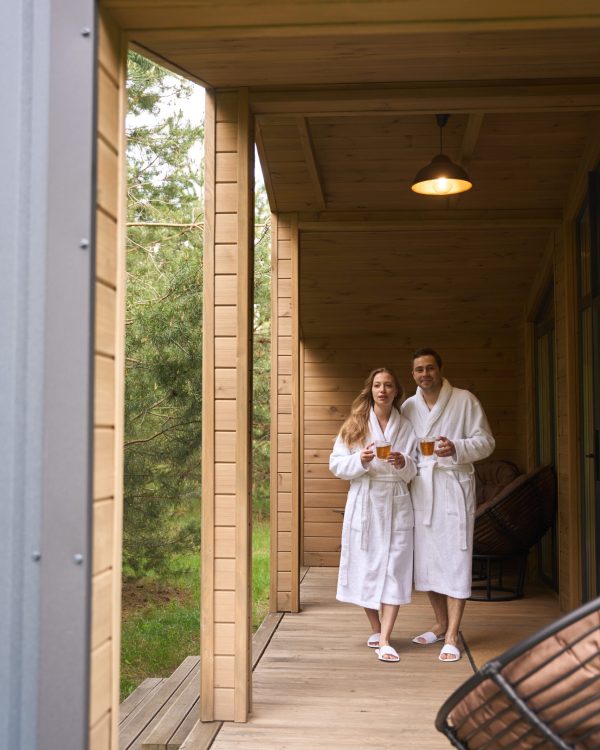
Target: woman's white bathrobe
<point>443,493</point>
<point>377,535</point>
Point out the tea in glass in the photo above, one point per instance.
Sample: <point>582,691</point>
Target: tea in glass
<point>427,445</point>
<point>382,449</point>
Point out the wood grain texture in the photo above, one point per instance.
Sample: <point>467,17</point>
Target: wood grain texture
<point>318,685</point>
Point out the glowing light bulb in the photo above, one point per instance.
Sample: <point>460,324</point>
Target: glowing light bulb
<point>442,185</point>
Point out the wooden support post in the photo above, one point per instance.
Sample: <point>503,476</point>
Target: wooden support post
<point>226,408</point>
<point>286,463</point>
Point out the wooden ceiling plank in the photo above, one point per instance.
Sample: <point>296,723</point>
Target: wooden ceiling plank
<point>439,219</point>
<point>379,16</point>
<point>311,162</point>
<point>449,97</point>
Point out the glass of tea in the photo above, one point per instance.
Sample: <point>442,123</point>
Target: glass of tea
<point>382,449</point>
<point>427,444</point>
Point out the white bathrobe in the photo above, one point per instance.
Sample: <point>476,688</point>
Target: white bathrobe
<point>443,493</point>
<point>377,535</point>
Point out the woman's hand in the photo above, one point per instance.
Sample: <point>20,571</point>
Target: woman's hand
<point>367,455</point>
<point>397,460</point>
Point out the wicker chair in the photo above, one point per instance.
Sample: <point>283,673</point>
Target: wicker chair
<point>506,527</point>
<point>543,693</point>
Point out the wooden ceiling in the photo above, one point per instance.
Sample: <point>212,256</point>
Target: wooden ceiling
<point>345,95</point>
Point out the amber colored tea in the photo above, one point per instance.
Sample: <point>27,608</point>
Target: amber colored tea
<point>427,447</point>
<point>383,451</point>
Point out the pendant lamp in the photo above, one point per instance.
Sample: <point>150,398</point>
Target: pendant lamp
<point>441,176</point>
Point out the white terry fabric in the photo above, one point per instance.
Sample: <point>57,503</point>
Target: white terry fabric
<point>443,493</point>
<point>377,535</point>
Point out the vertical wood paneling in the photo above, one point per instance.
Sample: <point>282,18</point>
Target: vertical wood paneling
<point>567,376</point>
<point>227,388</point>
<point>109,386</point>
<point>285,415</point>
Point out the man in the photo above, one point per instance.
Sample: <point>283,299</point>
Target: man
<point>443,495</point>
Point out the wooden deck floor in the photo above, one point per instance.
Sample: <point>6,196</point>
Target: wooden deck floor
<point>318,686</point>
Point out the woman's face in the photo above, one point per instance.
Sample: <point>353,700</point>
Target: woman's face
<point>384,390</point>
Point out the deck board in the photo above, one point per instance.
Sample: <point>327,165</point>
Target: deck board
<point>317,685</point>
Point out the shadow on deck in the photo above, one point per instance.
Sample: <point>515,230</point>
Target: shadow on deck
<point>317,685</point>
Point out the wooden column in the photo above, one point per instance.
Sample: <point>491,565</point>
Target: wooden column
<point>108,388</point>
<point>285,417</point>
<point>226,415</point>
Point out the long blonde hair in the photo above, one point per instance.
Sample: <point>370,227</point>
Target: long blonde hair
<point>355,428</point>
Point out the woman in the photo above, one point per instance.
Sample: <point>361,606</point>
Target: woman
<point>377,536</point>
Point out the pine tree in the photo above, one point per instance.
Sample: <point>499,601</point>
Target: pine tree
<point>163,325</point>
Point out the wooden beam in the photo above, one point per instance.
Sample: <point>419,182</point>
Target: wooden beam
<point>208,419</point>
<point>311,162</point>
<point>272,18</point>
<point>588,162</point>
<point>470,137</point>
<point>264,163</point>
<point>435,219</point>
<point>467,147</point>
<point>470,97</point>
<point>243,408</point>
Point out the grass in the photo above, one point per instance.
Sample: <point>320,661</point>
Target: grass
<point>161,618</point>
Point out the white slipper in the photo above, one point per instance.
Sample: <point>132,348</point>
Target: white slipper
<point>428,637</point>
<point>373,640</point>
<point>387,651</point>
<point>448,648</point>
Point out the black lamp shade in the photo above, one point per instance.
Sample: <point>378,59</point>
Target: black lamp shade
<point>441,177</point>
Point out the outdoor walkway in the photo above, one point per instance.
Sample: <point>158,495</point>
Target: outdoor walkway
<point>318,686</point>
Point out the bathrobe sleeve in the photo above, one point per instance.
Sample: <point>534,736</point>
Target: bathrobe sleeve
<point>479,442</point>
<point>344,463</point>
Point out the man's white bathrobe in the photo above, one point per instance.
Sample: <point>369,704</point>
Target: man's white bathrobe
<point>377,535</point>
<point>443,493</point>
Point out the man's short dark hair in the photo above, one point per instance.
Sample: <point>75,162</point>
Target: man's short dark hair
<point>428,352</point>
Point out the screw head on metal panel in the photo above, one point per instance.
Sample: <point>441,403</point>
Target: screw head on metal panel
<point>36,555</point>
<point>78,559</point>
<point>86,31</point>
<point>84,243</point>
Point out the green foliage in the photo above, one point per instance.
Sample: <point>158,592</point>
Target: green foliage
<point>163,628</point>
<point>262,359</point>
<point>164,327</point>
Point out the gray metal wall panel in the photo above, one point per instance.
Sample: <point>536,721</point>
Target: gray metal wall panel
<point>47,69</point>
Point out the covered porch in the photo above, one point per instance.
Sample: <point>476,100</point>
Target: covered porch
<point>342,113</point>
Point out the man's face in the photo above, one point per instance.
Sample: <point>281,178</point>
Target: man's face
<point>427,374</point>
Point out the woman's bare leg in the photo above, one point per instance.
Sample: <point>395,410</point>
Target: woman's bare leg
<point>374,621</point>
<point>389,612</point>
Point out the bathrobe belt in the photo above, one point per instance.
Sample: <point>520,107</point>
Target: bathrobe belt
<point>426,469</point>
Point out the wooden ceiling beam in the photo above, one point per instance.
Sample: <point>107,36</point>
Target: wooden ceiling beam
<point>433,220</point>
<point>588,162</point>
<point>264,163</point>
<point>417,99</point>
<point>311,162</point>
<point>467,147</point>
<point>265,18</point>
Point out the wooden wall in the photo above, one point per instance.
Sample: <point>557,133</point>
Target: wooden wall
<point>108,387</point>
<point>482,349</point>
<point>285,416</point>
<point>226,419</point>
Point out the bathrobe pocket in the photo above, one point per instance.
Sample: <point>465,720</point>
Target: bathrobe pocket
<point>402,511</point>
<point>460,490</point>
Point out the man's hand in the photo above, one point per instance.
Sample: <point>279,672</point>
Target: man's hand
<point>445,448</point>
